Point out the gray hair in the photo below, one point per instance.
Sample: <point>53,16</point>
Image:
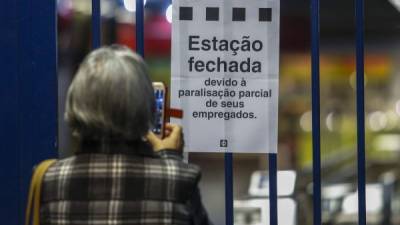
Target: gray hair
<point>111,96</point>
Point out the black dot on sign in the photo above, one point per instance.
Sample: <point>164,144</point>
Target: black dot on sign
<point>212,13</point>
<point>223,143</point>
<point>238,14</point>
<point>185,13</point>
<point>265,14</point>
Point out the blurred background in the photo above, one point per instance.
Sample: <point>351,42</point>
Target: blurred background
<point>338,120</point>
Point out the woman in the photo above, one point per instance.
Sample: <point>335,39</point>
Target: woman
<point>121,173</point>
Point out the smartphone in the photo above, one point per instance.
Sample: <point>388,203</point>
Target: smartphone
<point>160,93</point>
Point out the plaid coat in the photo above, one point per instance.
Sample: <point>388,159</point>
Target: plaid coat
<point>122,188</point>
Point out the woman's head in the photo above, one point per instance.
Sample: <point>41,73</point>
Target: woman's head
<point>111,96</point>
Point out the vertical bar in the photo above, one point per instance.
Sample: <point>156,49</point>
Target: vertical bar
<point>96,24</point>
<point>139,28</point>
<point>228,189</point>
<point>28,97</point>
<point>9,129</point>
<point>273,194</point>
<point>315,73</point>
<point>360,111</point>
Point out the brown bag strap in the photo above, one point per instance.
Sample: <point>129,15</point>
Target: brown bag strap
<point>35,191</point>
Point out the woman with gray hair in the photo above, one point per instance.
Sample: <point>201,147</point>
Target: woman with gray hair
<point>121,173</point>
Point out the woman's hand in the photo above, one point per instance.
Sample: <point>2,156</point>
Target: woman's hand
<point>173,138</point>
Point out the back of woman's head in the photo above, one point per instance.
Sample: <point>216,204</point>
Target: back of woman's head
<point>111,96</point>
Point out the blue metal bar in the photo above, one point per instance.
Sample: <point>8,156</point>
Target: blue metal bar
<point>28,97</point>
<point>9,130</point>
<point>228,189</point>
<point>316,134</point>
<point>273,194</point>
<point>140,27</point>
<point>360,111</point>
<point>96,24</point>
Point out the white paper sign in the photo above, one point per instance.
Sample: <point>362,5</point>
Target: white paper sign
<point>225,74</point>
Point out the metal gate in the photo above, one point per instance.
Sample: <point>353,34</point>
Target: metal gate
<point>27,118</point>
<point>272,158</point>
